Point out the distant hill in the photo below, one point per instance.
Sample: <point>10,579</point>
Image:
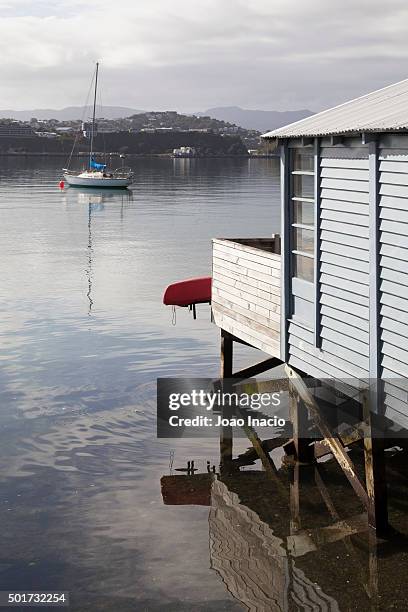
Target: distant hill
<point>207,144</point>
<point>260,120</point>
<point>69,113</point>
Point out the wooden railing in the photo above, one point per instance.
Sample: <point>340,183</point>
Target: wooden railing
<point>246,290</point>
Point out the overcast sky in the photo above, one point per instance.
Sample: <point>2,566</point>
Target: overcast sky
<point>189,55</point>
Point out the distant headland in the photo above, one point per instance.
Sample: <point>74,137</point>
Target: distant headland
<point>141,133</point>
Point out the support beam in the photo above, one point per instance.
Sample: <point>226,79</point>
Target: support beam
<point>351,551</point>
<point>348,437</point>
<point>334,443</point>
<point>299,417</point>
<point>226,372</point>
<point>376,483</point>
<point>257,368</point>
<point>226,354</point>
<point>295,523</point>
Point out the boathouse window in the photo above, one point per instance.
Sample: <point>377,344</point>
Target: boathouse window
<point>303,199</point>
<point>302,202</point>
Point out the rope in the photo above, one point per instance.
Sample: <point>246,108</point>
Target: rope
<point>171,460</point>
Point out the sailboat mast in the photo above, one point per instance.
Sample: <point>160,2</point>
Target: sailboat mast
<point>93,114</point>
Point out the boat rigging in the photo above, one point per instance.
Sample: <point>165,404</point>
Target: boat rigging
<point>97,174</point>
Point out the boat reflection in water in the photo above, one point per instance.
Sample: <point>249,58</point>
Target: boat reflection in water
<point>296,537</point>
<point>95,200</point>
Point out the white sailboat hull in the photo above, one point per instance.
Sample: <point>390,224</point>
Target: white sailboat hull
<point>91,181</point>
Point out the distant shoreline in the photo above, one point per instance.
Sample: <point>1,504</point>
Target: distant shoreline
<point>139,155</point>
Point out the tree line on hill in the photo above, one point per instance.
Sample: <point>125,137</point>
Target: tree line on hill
<point>141,143</point>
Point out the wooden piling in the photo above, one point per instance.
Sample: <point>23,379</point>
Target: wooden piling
<point>374,458</point>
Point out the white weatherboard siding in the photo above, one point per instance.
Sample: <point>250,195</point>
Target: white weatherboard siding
<point>246,282</point>
<point>344,271</point>
<point>393,165</point>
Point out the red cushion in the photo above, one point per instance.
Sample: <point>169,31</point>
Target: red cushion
<point>189,291</point>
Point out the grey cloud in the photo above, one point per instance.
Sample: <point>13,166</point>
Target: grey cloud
<point>189,56</point>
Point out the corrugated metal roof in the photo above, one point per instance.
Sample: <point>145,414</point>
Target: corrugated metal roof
<point>380,111</point>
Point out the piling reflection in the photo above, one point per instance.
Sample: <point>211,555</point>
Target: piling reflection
<point>292,537</point>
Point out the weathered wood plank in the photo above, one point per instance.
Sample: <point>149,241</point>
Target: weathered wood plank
<point>268,345</point>
<point>234,269</point>
<point>249,298</point>
<point>271,293</point>
<point>245,323</point>
<point>376,482</point>
<point>271,320</point>
<point>255,255</point>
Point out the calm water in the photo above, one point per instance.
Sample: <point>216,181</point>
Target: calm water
<point>84,335</point>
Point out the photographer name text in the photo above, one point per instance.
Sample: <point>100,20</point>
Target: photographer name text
<point>219,421</point>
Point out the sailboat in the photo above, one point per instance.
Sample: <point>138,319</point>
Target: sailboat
<point>96,174</point>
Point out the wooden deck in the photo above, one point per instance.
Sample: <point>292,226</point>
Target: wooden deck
<point>246,290</point>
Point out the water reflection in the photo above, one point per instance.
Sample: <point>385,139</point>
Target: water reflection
<point>95,200</point>
<point>296,537</point>
<point>80,504</point>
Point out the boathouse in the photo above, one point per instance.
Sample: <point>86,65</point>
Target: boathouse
<point>329,296</point>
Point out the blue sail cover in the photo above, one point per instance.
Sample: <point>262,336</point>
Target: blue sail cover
<point>95,166</point>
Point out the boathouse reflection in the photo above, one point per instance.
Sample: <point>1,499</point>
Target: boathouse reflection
<point>294,537</point>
